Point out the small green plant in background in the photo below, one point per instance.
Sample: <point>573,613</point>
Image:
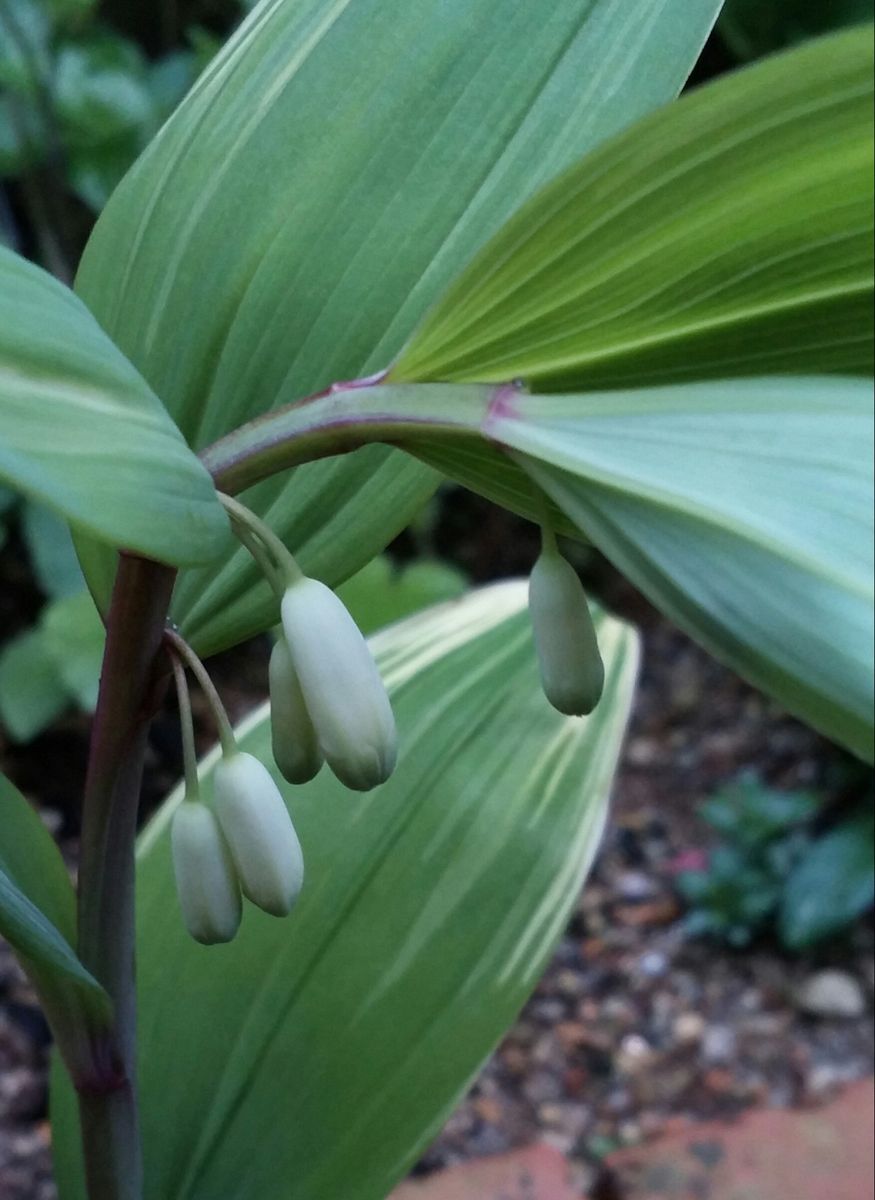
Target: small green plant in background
<point>376,246</point>
<point>79,100</point>
<point>55,663</point>
<point>775,871</point>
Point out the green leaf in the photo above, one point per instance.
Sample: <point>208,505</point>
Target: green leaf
<point>729,234</point>
<point>31,862</point>
<point>32,693</point>
<point>833,883</point>
<point>382,593</point>
<point>74,639</point>
<point>24,45</point>
<point>317,1055</point>
<point>751,814</point>
<point>38,914</point>
<point>744,510</point>
<point>52,555</point>
<point>81,431</point>
<point>45,669</point>
<point>323,181</point>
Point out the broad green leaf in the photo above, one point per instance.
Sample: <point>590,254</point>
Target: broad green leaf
<point>833,883</point>
<point>314,1057</point>
<point>381,592</point>
<point>38,913</point>
<point>81,432</point>
<point>744,510</point>
<point>335,166</point>
<point>730,234</point>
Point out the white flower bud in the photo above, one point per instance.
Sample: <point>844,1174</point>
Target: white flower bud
<point>295,746</point>
<point>344,694</point>
<point>572,672</point>
<point>209,894</point>
<point>259,832</point>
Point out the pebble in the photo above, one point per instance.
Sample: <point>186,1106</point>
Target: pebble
<point>688,1028</point>
<point>542,1086</point>
<point>636,885</point>
<point>719,1044</point>
<point>653,964</point>
<point>661,911</point>
<point>635,1054</point>
<point>831,994</point>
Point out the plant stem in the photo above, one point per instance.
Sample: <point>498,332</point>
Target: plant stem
<point>548,534</point>
<point>286,571</point>
<point>107,1100</point>
<point>343,419</point>
<point>186,724</point>
<point>225,730</point>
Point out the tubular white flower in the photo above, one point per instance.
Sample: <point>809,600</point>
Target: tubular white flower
<point>206,883</point>
<point>572,671</point>
<point>295,745</point>
<point>259,832</point>
<point>342,688</point>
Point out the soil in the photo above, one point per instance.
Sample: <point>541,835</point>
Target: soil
<point>635,1025</point>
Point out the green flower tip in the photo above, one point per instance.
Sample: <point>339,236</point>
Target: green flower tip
<point>572,671</point>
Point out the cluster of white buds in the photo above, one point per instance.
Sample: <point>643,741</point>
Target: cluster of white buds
<point>572,671</point>
<point>328,704</point>
<point>245,843</point>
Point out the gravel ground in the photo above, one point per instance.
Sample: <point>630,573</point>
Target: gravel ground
<point>634,1026</point>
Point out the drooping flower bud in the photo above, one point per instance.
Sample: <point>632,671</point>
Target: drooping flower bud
<point>295,746</point>
<point>344,694</point>
<point>572,671</point>
<point>206,883</point>
<point>259,831</point>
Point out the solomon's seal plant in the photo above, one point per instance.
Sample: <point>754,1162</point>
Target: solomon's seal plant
<point>381,244</point>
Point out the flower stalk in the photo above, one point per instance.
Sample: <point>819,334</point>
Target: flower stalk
<point>107,1095</point>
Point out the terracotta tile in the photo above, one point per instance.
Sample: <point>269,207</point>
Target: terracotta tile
<point>772,1154</point>
<point>537,1173</point>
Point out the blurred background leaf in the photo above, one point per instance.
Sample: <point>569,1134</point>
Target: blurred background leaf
<point>783,868</point>
<point>381,592</point>
<point>753,28</point>
<point>52,554</point>
<point>831,884</point>
<point>46,669</point>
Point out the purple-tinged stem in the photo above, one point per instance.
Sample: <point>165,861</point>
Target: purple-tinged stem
<point>344,418</point>
<point>107,1098</point>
